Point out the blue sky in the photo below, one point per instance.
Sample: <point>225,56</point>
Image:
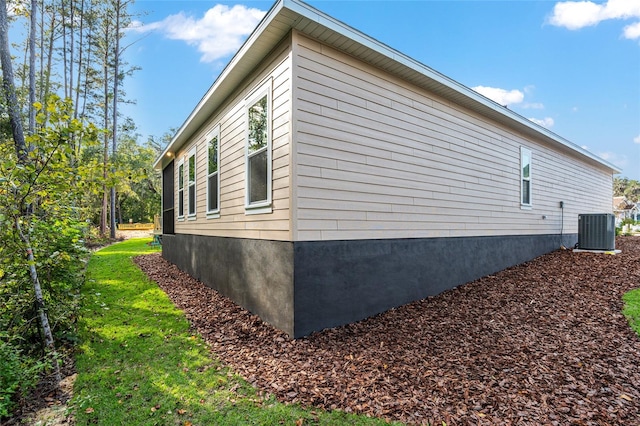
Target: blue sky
<point>573,67</point>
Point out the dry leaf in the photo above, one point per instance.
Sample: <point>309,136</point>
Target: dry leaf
<point>524,343</point>
<point>89,410</point>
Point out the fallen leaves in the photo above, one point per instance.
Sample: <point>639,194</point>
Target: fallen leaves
<point>540,343</point>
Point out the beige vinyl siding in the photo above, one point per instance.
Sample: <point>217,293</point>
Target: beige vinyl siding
<point>379,158</point>
<point>233,222</point>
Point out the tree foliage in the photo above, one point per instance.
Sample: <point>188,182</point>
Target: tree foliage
<point>41,230</point>
<point>66,82</point>
<point>628,188</point>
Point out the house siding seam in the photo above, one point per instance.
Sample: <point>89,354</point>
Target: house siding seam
<point>380,158</point>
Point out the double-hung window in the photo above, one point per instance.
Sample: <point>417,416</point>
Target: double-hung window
<point>525,177</point>
<point>258,151</point>
<point>191,183</point>
<point>213,173</point>
<point>181,190</point>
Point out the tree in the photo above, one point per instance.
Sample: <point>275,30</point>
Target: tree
<point>8,85</point>
<point>53,169</point>
<point>137,183</point>
<point>114,18</point>
<point>44,233</point>
<point>619,186</point>
<point>32,65</point>
<point>628,188</point>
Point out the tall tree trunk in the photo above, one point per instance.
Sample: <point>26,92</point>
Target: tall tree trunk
<point>76,103</point>
<point>65,64</point>
<point>105,162</point>
<point>8,85</point>
<point>85,94</point>
<point>18,135</point>
<point>47,81</point>
<point>42,313</point>
<point>32,67</point>
<point>119,210</point>
<point>114,120</point>
<point>72,46</point>
<point>41,87</point>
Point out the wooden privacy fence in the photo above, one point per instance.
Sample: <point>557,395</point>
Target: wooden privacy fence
<point>155,226</point>
<point>135,226</point>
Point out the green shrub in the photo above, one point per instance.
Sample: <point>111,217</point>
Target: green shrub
<point>60,261</point>
<point>18,374</point>
<point>627,221</point>
<point>9,377</point>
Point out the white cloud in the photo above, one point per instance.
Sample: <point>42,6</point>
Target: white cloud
<point>579,14</point>
<point>632,31</point>
<point>501,96</point>
<point>218,34</point>
<point>545,122</point>
<point>636,139</point>
<point>576,14</point>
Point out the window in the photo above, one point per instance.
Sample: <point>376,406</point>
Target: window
<point>258,153</point>
<point>525,176</point>
<point>191,165</point>
<point>213,173</point>
<point>181,190</point>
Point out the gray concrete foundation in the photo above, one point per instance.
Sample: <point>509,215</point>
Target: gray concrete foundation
<point>306,286</point>
<point>256,274</point>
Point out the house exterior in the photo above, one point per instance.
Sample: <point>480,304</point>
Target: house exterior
<point>326,177</point>
<point>624,209</point>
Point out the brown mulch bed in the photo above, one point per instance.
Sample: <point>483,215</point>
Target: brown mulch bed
<point>540,343</point>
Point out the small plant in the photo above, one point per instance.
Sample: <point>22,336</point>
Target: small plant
<point>9,377</point>
<point>17,375</point>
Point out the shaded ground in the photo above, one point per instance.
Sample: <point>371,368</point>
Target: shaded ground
<point>46,404</point>
<point>541,343</point>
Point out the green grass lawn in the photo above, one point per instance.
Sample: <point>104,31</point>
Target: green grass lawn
<point>632,309</point>
<point>139,364</point>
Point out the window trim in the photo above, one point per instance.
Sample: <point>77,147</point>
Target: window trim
<point>192,153</point>
<point>266,205</point>
<point>524,151</point>
<point>214,133</point>
<point>180,193</point>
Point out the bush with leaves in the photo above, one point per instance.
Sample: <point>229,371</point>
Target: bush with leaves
<point>41,230</point>
<point>18,373</point>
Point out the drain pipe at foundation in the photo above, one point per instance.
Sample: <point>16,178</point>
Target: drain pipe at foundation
<point>562,225</point>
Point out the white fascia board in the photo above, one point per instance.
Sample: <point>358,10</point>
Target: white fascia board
<point>182,132</point>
